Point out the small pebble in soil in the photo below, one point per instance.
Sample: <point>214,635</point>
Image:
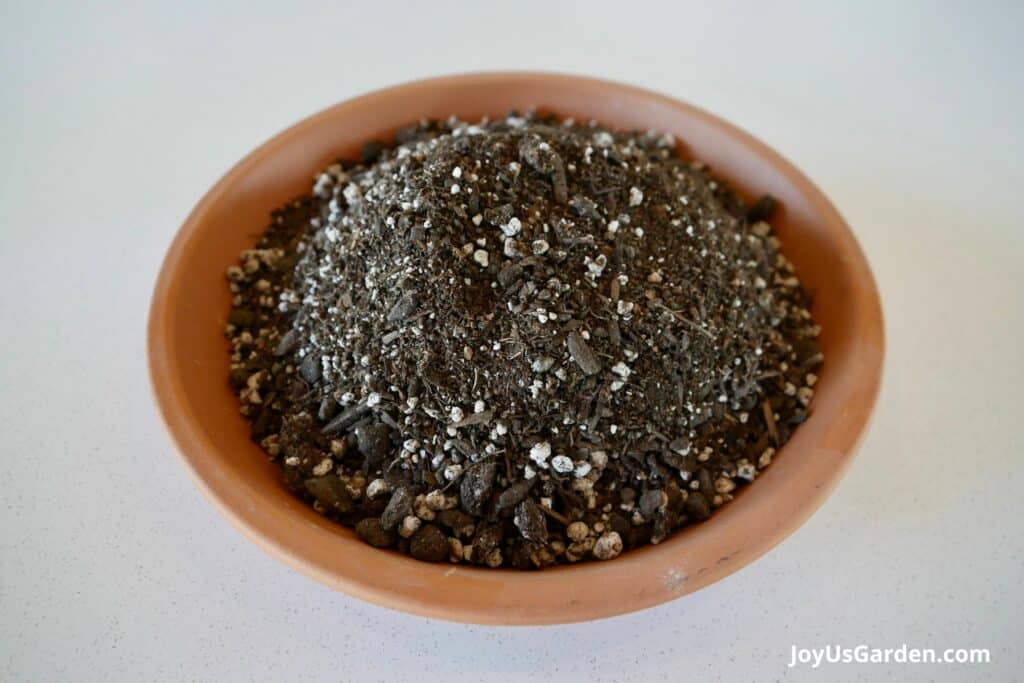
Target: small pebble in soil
<point>429,544</point>
<point>608,546</point>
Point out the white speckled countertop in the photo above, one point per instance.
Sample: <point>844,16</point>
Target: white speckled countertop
<point>115,119</point>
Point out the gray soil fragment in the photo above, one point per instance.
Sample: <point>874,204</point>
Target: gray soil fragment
<point>481,418</point>
<point>680,445</point>
<point>545,160</point>
<point>511,496</point>
<point>585,207</point>
<point>398,508</point>
<point>508,275</point>
<point>530,521</point>
<point>402,309</point>
<point>346,419</point>
<point>660,528</point>
<point>558,184</point>
<point>499,215</point>
<point>288,343</point>
<point>327,408</point>
<point>650,501</point>
<point>614,335</point>
<point>310,369</point>
<point>374,441</point>
<point>582,354</point>
<point>476,486</point>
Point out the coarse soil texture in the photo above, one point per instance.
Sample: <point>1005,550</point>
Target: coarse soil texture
<point>520,342</point>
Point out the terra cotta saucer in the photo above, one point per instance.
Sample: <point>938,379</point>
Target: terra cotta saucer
<point>188,360</point>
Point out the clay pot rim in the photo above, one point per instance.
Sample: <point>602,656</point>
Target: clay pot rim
<point>638,579</point>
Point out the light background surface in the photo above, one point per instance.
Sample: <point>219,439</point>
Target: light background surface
<point>114,119</point>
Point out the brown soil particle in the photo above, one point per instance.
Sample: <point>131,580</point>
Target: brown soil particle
<point>521,342</point>
<point>429,544</point>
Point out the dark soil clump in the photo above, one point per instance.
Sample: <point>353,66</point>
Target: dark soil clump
<point>521,342</point>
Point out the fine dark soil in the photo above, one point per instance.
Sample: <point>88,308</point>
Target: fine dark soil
<point>521,342</point>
